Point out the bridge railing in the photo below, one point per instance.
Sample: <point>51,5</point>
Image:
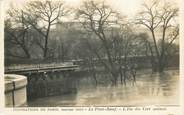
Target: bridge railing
<point>37,66</point>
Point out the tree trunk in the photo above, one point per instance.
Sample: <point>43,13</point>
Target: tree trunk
<point>161,65</point>
<point>27,53</point>
<point>46,42</point>
<point>121,75</point>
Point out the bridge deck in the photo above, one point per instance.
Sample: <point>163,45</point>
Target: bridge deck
<point>41,68</point>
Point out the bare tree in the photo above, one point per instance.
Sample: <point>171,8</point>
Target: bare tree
<point>16,32</point>
<point>42,15</point>
<point>160,17</point>
<point>115,42</point>
<point>96,18</point>
<point>127,46</point>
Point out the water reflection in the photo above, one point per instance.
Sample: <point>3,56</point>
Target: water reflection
<point>150,89</point>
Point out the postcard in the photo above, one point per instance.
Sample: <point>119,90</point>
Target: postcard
<point>92,56</point>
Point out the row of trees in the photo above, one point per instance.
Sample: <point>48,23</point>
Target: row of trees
<point>103,34</point>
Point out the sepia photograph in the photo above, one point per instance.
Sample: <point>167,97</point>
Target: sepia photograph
<point>81,53</point>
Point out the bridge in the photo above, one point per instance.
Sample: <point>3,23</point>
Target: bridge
<point>47,79</point>
<point>39,68</point>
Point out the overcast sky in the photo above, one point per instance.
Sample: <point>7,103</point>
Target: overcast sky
<point>126,7</point>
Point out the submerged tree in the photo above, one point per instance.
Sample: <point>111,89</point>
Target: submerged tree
<point>115,42</point>
<point>95,18</point>
<point>161,18</point>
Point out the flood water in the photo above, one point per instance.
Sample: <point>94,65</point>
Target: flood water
<point>150,89</point>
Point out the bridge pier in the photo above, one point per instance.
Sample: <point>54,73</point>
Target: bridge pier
<point>48,81</point>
